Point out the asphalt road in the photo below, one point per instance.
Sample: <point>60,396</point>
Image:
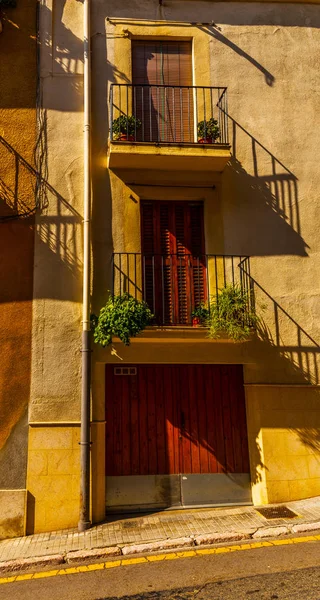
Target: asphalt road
<point>273,573</point>
<point>301,584</point>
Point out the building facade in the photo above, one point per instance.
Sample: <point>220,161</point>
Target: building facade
<point>177,418</point>
<point>18,191</point>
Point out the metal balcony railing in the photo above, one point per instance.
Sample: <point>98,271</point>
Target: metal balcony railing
<point>168,114</point>
<point>174,285</point>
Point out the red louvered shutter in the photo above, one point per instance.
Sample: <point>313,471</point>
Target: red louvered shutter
<point>173,260</point>
<point>149,249</point>
<point>166,113</point>
<point>199,272</point>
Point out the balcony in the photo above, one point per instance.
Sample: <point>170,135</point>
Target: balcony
<point>158,132</point>
<point>173,285</point>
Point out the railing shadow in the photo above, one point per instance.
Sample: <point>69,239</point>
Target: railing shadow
<point>285,352</point>
<point>18,184</point>
<point>293,344</point>
<point>266,192</point>
<point>215,32</point>
<point>56,230</point>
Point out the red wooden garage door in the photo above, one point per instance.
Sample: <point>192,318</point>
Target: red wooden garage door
<point>170,419</point>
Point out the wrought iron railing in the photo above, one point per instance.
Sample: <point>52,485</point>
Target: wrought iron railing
<point>168,114</point>
<point>174,285</point>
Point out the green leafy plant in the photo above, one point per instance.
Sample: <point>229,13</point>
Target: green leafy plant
<point>123,316</point>
<point>125,125</point>
<point>232,314</point>
<point>200,312</point>
<point>208,129</point>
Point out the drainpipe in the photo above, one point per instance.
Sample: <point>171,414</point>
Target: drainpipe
<point>84,520</point>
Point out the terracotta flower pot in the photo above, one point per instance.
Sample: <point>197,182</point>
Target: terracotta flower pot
<point>195,321</point>
<point>205,141</point>
<point>125,138</point>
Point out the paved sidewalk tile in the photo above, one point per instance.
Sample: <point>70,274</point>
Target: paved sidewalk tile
<point>158,527</point>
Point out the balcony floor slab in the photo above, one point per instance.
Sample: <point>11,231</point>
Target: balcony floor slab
<point>199,163</point>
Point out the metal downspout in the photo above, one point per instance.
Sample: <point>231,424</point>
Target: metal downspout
<point>84,520</point>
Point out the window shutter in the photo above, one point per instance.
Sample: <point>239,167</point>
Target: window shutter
<point>166,114</point>
<point>173,259</point>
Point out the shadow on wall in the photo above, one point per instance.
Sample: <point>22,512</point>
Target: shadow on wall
<point>103,74</point>
<point>284,336</point>
<point>19,184</point>
<point>63,57</point>
<point>215,32</point>
<point>310,438</point>
<point>18,46</point>
<point>289,354</point>
<point>56,230</point>
<point>265,203</point>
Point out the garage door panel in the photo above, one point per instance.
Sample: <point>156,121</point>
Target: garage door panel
<point>152,425</point>
<point>161,386</point>
<point>193,426</point>
<point>125,401</point>
<point>175,386</point>
<point>143,422</point>
<point>180,420</point>
<point>204,447</point>
<point>134,428</point>
<point>186,445</point>
<point>226,421</point>
<point>218,419</point>
<point>212,444</point>
<point>236,418</point>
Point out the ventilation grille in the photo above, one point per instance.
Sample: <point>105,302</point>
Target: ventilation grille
<point>125,371</point>
<point>277,512</point>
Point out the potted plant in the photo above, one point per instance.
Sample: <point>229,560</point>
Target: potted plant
<point>208,131</point>
<point>231,314</point>
<point>124,128</point>
<point>123,316</point>
<point>199,315</point>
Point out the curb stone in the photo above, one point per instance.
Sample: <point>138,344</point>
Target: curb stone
<point>75,556</point>
<point>161,545</point>
<point>305,527</point>
<point>27,563</point>
<point>216,538</point>
<point>80,555</point>
<point>270,532</point>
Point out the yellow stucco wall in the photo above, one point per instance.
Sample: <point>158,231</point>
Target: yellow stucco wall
<point>265,204</point>
<point>56,313</point>
<point>18,136</point>
<point>53,477</point>
<point>283,431</point>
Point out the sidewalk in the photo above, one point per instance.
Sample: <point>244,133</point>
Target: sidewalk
<point>154,532</point>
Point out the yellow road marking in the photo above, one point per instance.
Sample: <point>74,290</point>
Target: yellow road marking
<point>157,558</point>
<point>133,561</point>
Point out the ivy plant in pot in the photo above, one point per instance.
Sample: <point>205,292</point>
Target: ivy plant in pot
<point>124,128</point>
<point>123,316</point>
<point>208,131</point>
<point>199,315</point>
<point>232,315</point>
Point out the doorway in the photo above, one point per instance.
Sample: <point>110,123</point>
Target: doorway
<point>174,265</point>
<point>176,436</point>
<point>163,97</point>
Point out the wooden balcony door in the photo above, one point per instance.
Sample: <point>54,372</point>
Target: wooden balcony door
<point>174,264</point>
<point>165,108</point>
